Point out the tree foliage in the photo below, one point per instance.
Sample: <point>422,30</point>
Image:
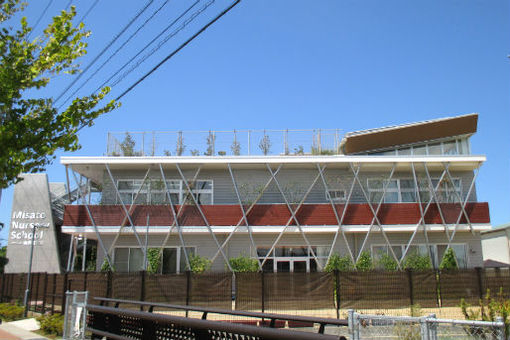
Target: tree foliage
<point>337,262</point>
<point>417,262</point>
<point>199,264</point>
<point>387,262</point>
<point>32,129</point>
<point>364,262</point>
<point>244,264</point>
<point>448,261</point>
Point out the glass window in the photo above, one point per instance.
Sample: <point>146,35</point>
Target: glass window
<point>135,259</point>
<point>121,259</point>
<point>435,149</point>
<point>450,148</point>
<point>335,195</point>
<point>169,265</point>
<point>404,151</point>
<point>420,150</point>
<point>460,254</point>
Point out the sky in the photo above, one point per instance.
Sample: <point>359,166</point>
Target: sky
<point>295,64</point>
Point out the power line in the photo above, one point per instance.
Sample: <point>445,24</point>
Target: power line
<point>88,11</point>
<point>147,45</point>
<point>118,49</point>
<point>168,57</point>
<point>105,49</point>
<point>68,4</point>
<point>164,41</point>
<point>40,18</point>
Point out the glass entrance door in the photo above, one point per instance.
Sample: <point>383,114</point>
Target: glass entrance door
<point>286,265</point>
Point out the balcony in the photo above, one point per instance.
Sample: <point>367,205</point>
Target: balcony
<point>276,215</point>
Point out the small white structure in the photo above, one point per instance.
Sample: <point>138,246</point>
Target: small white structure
<point>496,246</point>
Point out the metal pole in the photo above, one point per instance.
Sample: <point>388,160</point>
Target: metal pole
<point>69,256</point>
<point>145,266</point>
<point>83,260</point>
<point>27,290</point>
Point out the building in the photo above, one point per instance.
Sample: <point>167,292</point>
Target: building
<point>496,246</point>
<point>395,190</point>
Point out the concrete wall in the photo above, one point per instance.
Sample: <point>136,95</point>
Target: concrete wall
<point>495,245</point>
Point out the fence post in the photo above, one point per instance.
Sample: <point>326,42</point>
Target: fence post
<point>64,289</point>
<point>2,289</point>
<point>353,325</point>
<point>142,287</point>
<point>45,288</point>
<point>501,333</point>
<point>410,281</point>
<point>432,327</point>
<point>85,274</point>
<point>263,294</point>
<point>438,288</point>
<point>53,293</point>
<point>337,291</point>
<point>188,288</point>
<point>424,329</point>
<point>480,281</point>
<point>37,285</point>
<point>108,285</point>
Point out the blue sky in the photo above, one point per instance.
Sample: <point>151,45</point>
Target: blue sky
<point>310,64</point>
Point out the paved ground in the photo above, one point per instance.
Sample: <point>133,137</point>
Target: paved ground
<point>20,330</point>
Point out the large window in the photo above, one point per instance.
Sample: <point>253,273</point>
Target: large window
<point>437,252</point>
<point>293,258</point>
<point>132,260</point>
<point>451,147</point>
<point>404,190</point>
<point>153,191</point>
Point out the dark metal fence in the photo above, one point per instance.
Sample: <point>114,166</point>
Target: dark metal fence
<point>267,292</point>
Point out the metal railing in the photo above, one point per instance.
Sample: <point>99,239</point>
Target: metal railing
<point>272,317</point>
<point>119,323</point>
<point>364,326</point>
<point>221,143</point>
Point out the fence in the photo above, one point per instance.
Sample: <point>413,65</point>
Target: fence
<point>363,326</point>
<point>324,294</point>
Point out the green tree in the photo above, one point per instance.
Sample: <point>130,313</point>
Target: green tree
<point>387,262</point>
<point>243,264</point>
<point>32,129</point>
<point>199,264</point>
<point>417,262</point>
<point>364,262</point>
<point>337,262</point>
<point>3,258</point>
<point>448,261</point>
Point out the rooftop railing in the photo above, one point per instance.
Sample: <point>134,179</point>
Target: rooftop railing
<point>222,143</point>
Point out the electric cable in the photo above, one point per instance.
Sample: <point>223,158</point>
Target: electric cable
<point>88,11</point>
<point>168,57</point>
<point>118,49</point>
<point>164,41</point>
<point>105,49</point>
<point>40,18</point>
<point>69,4</point>
<point>147,45</point>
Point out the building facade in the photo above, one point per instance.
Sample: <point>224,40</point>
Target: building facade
<point>389,192</point>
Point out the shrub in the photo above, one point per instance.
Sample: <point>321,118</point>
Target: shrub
<point>448,261</point>
<point>51,324</point>
<point>105,267</point>
<point>199,264</point>
<point>11,312</point>
<point>417,262</point>
<point>337,262</point>
<point>364,262</point>
<point>154,260</point>
<point>244,264</point>
<point>489,310</point>
<point>387,262</point>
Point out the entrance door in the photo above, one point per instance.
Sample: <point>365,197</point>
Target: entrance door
<point>285,265</point>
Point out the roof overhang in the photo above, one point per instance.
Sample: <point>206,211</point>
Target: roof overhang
<point>387,137</point>
<point>94,167</point>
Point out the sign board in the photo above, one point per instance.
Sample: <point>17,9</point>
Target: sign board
<point>31,206</point>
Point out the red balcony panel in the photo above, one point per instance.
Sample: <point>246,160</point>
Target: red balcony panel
<point>275,214</point>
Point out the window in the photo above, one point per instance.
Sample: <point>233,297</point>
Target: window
<point>403,190</point>
<point>293,258</point>
<point>451,147</point>
<point>132,260</point>
<point>335,195</point>
<point>437,252</point>
<point>153,191</point>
